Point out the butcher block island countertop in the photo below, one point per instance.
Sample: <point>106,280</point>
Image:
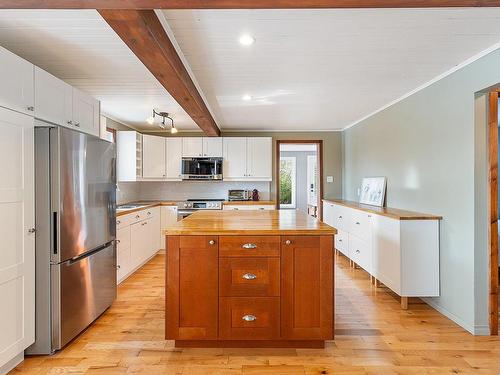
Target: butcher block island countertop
<point>250,222</point>
<point>249,279</point>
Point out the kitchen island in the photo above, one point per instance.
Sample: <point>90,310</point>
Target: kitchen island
<point>249,279</point>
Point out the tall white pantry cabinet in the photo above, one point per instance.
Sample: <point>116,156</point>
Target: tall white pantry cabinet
<point>17,209</point>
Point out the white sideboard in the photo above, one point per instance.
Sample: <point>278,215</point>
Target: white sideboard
<point>397,248</point>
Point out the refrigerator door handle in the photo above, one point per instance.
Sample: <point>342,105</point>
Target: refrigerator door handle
<point>54,234</point>
<point>89,253</point>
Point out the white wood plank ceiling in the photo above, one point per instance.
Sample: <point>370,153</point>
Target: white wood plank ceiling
<point>322,69</point>
<point>308,69</point>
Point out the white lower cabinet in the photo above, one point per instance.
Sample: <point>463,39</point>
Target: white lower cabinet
<point>137,237</point>
<point>403,254</point>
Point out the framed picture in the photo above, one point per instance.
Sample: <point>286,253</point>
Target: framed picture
<point>373,191</point>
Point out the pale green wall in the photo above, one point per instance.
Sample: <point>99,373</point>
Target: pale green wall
<point>434,156</point>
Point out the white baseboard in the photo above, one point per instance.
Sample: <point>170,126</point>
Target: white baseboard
<point>12,363</point>
<point>475,330</point>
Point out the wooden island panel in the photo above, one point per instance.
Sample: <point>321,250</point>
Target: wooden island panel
<point>192,283</point>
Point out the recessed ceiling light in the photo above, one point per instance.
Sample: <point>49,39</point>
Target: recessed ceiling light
<point>246,97</point>
<point>247,40</point>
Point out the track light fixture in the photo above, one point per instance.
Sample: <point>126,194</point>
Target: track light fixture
<point>164,116</point>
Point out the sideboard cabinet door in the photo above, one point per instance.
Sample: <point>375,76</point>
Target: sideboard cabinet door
<point>307,287</point>
<point>192,293</point>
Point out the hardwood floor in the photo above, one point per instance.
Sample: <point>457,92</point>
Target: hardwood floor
<point>373,336</point>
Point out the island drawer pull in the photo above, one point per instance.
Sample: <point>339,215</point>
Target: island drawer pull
<point>211,242</point>
<point>249,246</point>
<point>249,318</point>
<point>249,276</point>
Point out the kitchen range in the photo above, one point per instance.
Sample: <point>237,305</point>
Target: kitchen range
<point>190,206</point>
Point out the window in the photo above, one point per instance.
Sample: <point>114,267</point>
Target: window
<point>288,182</point>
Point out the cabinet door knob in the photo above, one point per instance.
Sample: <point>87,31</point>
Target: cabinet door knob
<point>137,216</point>
<point>118,241</point>
<point>118,221</point>
<point>340,217</point>
<point>31,108</point>
<point>288,242</point>
<point>77,124</point>
<point>357,251</point>
<point>249,318</point>
<point>211,242</point>
<point>249,276</point>
<point>149,213</point>
<point>118,267</point>
<point>31,230</point>
<point>69,122</point>
<point>249,246</point>
<point>358,223</point>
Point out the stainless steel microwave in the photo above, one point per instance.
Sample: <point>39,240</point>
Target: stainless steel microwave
<point>202,168</point>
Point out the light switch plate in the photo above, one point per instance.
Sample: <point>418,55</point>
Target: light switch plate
<point>329,178</point>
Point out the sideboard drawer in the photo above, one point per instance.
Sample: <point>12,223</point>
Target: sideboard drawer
<point>360,252</point>
<point>249,246</point>
<point>360,224</point>
<point>340,217</point>
<point>341,242</point>
<point>249,277</point>
<point>243,318</point>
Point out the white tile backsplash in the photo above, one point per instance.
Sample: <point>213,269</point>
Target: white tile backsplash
<point>127,192</point>
<point>197,189</point>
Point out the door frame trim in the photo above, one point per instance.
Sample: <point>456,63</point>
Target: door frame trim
<point>493,98</point>
<point>319,143</point>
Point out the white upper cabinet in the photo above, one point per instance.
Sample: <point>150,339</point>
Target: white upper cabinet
<point>235,158</point>
<point>153,157</point>
<point>192,147</point>
<point>259,158</point>
<point>16,88</point>
<point>53,98</point>
<point>247,159</point>
<point>174,158</point>
<point>212,146</point>
<point>86,111</point>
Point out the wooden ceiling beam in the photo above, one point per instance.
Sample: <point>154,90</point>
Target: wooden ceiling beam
<point>239,4</point>
<point>142,32</point>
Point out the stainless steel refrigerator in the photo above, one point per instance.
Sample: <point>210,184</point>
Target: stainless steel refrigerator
<point>75,190</point>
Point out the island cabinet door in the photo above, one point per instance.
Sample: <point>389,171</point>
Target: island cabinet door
<point>307,287</point>
<point>191,294</point>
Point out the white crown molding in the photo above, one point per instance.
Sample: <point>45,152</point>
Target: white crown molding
<point>429,83</point>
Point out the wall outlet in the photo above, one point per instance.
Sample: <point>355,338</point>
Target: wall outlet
<point>329,178</point>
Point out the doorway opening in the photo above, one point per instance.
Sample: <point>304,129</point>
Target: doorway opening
<point>299,166</point>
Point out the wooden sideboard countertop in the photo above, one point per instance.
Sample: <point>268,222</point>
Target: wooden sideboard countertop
<point>393,213</point>
<point>269,222</point>
<point>146,206</point>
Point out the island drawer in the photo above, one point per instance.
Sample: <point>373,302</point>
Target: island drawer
<point>249,277</point>
<point>249,246</point>
<point>243,318</point>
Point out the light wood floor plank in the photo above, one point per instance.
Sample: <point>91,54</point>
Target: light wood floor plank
<point>373,336</point>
